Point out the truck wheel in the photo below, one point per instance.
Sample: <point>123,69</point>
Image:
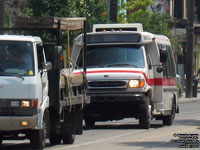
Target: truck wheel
<point>55,139</point>
<point>38,137</point>
<point>1,140</point>
<point>89,123</point>
<point>69,139</point>
<point>168,120</point>
<point>146,114</point>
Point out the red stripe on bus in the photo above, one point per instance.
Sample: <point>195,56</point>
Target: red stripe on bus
<point>151,82</point>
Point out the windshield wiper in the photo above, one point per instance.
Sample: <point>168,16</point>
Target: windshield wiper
<point>122,65</point>
<point>11,74</point>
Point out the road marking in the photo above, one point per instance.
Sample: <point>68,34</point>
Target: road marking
<point>102,140</point>
<point>163,135</point>
<point>128,134</point>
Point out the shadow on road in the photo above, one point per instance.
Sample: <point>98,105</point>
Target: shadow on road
<point>22,146</point>
<point>151,144</point>
<point>15,147</point>
<point>187,122</point>
<point>121,126</point>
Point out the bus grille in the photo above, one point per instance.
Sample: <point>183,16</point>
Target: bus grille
<point>100,84</point>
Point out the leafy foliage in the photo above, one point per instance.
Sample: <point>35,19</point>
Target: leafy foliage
<point>153,22</point>
<point>197,3</point>
<point>93,10</point>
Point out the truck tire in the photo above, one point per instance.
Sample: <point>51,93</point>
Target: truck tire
<point>168,120</point>
<point>69,139</point>
<point>38,137</point>
<point>55,139</point>
<point>89,123</point>
<point>1,140</point>
<point>146,114</point>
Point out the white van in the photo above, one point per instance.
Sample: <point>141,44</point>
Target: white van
<point>130,73</point>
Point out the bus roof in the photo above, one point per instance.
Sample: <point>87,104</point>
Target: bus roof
<point>124,37</point>
<point>118,27</point>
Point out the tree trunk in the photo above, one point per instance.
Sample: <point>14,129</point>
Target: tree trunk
<point>2,6</point>
<point>113,11</point>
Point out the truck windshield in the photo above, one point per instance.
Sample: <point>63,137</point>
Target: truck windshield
<point>16,58</point>
<point>114,56</point>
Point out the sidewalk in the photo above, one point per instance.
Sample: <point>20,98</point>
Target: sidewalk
<point>183,99</point>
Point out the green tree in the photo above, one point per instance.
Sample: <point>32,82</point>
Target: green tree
<point>93,10</point>
<point>152,21</point>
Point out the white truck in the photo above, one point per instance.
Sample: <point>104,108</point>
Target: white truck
<point>131,73</point>
<point>38,99</point>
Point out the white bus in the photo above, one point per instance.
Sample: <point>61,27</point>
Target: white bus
<point>130,73</point>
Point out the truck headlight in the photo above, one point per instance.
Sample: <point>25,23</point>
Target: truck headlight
<point>136,83</point>
<point>25,103</point>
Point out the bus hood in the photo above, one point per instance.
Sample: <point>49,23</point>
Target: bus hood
<point>14,87</point>
<point>115,73</point>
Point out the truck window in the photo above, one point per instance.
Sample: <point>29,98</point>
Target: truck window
<point>16,58</point>
<point>114,56</point>
<point>40,56</point>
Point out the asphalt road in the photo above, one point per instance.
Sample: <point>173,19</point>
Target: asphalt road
<point>127,135</point>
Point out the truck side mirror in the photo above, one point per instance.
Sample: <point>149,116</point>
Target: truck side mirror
<point>48,65</point>
<point>163,54</point>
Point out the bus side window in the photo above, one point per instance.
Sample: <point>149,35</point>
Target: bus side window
<point>164,66</point>
<point>169,71</point>
<point>171,62</point>
<point>148,58</point>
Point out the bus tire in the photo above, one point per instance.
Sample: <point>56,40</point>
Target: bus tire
<point>146,114</point>
<point>168,120</point>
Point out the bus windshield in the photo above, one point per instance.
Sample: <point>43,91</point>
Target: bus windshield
<point>16,58</point>
<point>114,56</point>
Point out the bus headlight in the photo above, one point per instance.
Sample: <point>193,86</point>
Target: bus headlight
<point>25,103</point>
<point>136,83</point>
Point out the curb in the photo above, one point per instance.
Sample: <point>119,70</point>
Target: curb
<point>188,100</point>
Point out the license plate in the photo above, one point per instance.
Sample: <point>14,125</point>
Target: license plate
<point>14,103</point>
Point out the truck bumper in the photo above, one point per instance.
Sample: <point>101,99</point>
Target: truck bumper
<point>15,123</point>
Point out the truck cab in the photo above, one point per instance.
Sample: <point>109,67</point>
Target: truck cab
<point>23,86</point>
<point>131,73</point>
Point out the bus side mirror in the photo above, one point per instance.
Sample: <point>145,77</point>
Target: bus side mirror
<point>159,69</point>
<point>163,55</point>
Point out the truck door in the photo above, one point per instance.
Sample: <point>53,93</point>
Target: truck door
<point>42,72</point>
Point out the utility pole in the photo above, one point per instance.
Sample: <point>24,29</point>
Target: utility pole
<point>113,10</point>
<point>189,45</point>
<point>2,8</point>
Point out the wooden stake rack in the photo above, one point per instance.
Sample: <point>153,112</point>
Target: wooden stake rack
<point>49,23</point>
